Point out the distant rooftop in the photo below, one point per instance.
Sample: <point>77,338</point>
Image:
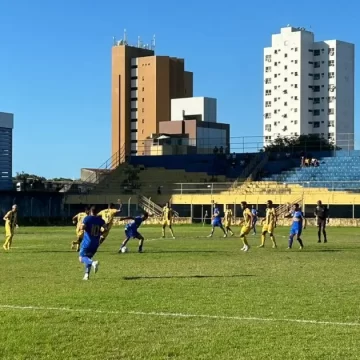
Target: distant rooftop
<point>140,44</point>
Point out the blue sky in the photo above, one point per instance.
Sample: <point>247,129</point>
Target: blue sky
<point>55,59</point>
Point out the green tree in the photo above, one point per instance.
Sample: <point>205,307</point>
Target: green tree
<point>306,143</point>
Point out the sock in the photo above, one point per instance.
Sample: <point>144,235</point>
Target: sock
<point>212,231</point>
<point>231,232</point>
<point>262,239</point>
<point>245,241</point>
<point>273,240</point>
<point>87,261</point>
<point>254,229</point>
<point>300,242</point>
<point>319,235</point>
<point>87,268</point>
<point>163,232</point>
<point>172,233</point>
<point>324,233</point>
<point>291,239</point>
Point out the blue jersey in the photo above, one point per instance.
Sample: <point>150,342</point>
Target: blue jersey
<point>297,218</point>
<point>216,213</point>
<point>254,212</point>
<point>92,233</point>
<point>135,224</point>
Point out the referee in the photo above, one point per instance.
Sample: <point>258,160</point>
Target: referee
<point>322,218</point>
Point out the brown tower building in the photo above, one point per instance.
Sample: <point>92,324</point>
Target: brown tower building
<point>142,88</point>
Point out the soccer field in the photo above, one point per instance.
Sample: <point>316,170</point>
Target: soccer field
<point>189,298</point>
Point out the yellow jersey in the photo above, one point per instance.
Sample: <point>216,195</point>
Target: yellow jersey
<point>108,215</point>
<point>11,219</point>
<point>167,213</point>
<point>228,215</point>
<point>270,216</point>
<point>79,218</point>
<point>247,217</point>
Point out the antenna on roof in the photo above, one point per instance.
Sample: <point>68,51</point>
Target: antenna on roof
<point>153,43</point>
<point>125,37</point>
<point>139,42</point>
<point>114,41</point>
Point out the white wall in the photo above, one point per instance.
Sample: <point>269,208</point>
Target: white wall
<point>6,120</point>
<point>203,106</point>
<point>307,67</point>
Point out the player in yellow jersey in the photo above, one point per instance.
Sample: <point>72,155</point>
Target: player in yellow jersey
<point>167,215</point>
<point>10,225</point>
<point>228,220</point>
<point>78,220</point>
<point>246,225</point>
<point>269,224</point>
<point>108,216</point>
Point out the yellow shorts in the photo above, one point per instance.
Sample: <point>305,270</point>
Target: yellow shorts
<point>167,223</point>
<point>9,231</point>
<point>268,228</point>
<point>245,230</point>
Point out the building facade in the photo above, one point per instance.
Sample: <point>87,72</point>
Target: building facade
<point>6,141</point>
<point>142,88</point>
<point>309,87</point>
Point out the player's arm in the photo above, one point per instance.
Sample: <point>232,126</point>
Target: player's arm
<point>104,226</point>
<point>304,220</point>
<point>84,223</point>
<point>7,216</point>
<point>75,219</point>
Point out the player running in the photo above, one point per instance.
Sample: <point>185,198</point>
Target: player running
<point>131,230</point>
<point>167,214</point>
<point>269,225</point>
<point>78,220</point>
<point>10,224</point>
<point>246,224</point>
<point>216,221</point>
<point>298,225</point>
<point>255,218</point>
<point>228,220</point>
<point>108,216</point>
<point>322,218</point>
<point>91,225</point>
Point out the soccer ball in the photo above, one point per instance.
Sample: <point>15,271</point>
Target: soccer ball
<point>124,249</point>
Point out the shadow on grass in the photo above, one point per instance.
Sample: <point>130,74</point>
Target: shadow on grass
<point>183,277</point>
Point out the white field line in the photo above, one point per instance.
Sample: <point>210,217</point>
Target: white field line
<point>177,315</point>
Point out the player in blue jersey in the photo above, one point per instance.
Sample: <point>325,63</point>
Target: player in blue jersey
<point>254,219</point>
<point>298,225</point>
<point>91,225</point>
<point>216,221</point>
<point>131,230</point>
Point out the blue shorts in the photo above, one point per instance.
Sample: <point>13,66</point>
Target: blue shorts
<point>132,233</point>
<point>216,222</point>
<point>88,251</point>
<point>295,230</point>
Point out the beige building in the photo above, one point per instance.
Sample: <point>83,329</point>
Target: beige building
<point>142,88</point>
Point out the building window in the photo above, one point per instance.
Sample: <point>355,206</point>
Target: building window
<point>142,99</point>
<point>285,55</point>
<point>285,91</point>
<point>267,103</point>
<point>285,67</point>
<point>295,86</point>
<point>285,103</point>
<point>267,138</point>
<point>316,101</point>
<point>275,51</point>
<point>331,123</point>
<point>268,69</point>
<point>316,52</point>
<point>275,99</point>
<point>331,51</point>
<point>295,110</point>
<point>316,64</point>
<point>142,131</point>
<point>143,89</point>
<point>142,121</point>
<point>267,115</point>
<point>331,63</point>
<point>316,76</point>
<point>268,81</point>
<point>285,79</point>
<point>295,122</point>
<point>331,112</point>
<point>268,127</point>
<point>311,63</point>
<point>275,111</point>
<point>316,88</point>
<point>142,110</point>
<point>267,92</point>
<point>296,49</point>
<point>316,124</point>
<point>316,112</point>
<point>143,78</point>
<point>331,75</point>
<point>331,99</point>
<point>268,58</point>
<point>296,61</point>
<point>296,74</point>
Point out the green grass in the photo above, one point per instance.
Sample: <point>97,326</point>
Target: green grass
<point>190,275</point>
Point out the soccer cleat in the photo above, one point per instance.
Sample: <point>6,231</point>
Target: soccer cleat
<point>5,247</point>
<point>325,241</point>
<point>209,236</point>
<point>95,266</point>
<point>140,251</point>
<point>301,247</point>
<point>242,249</point>
<point>246,248</point>
<point>319,242</point>
<point>86,277</point>
<point>274,246</point>
<point>261,246</point>
<point>289,248</point>
<point>174,237</point>
<point>225,236</point>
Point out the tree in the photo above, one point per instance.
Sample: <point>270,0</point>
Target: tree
<point>305,143</point>
<point>24,176</point>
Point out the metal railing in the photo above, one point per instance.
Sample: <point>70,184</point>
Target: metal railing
<point>151,207</point>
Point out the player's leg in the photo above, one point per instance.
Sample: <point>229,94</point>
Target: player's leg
<point>79,241</point>
<point>228,230</point>
<point>128,235</point>
<point>324,231</point>
<point>291,238</point>
<point>223,229</point>
<point>298,238</point>
<point>141,242</point>
<point>8,237</point>
<point>212,229</point>
<point>272,238</point>
<point>263,236</point>
<point>163,229</point>
<point>243,234</point>
<point>319,231</point>
<point>254,226</point>
<point>171,231</point>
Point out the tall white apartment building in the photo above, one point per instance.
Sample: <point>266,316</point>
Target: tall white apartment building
<point>309,87</point>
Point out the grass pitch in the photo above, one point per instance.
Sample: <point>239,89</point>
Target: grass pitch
<point>189,298</point>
